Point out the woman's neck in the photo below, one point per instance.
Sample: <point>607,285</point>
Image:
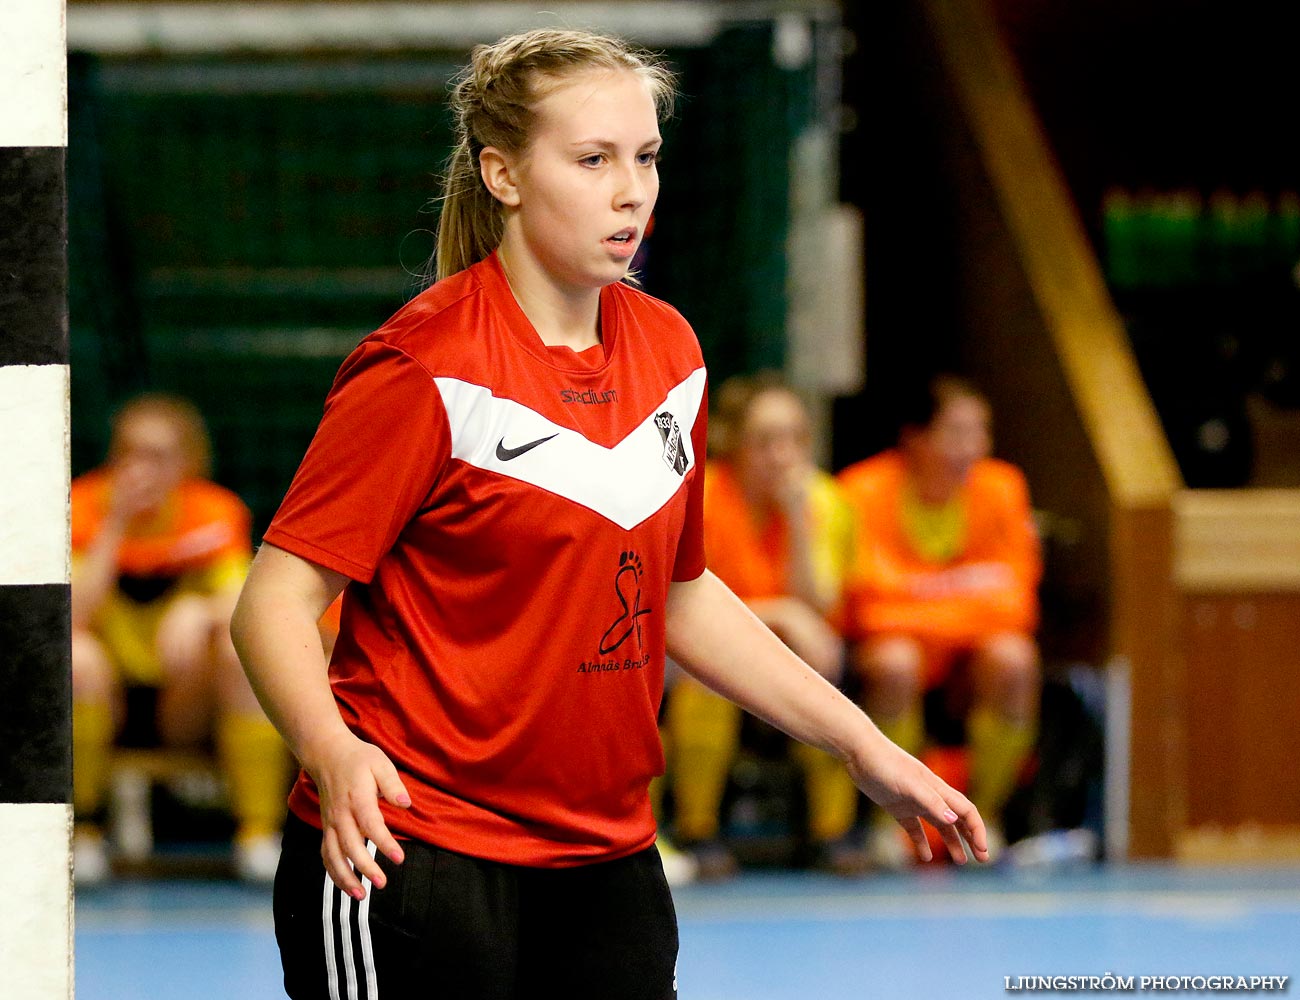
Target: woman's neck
<point>933,491</point>
<point>562,318</point>
<point>759,497</point>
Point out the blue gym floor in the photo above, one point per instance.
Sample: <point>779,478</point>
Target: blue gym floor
<point>787,936</point>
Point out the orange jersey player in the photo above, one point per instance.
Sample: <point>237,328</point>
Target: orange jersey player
<point>945,572</point>
<point>159,554</point>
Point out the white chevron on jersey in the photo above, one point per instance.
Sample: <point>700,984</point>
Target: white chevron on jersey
<point>625,484</point>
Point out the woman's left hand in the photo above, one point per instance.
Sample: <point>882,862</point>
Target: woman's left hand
<point>910,792</point>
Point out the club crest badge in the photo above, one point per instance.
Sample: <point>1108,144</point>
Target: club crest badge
<point>674,449</point>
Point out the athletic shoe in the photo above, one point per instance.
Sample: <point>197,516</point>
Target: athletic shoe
<point>257,857</point>
<point>90,865</point>
<point>888,847</point>
<point>713,861</point>
<point>1055,849</point>
<point>679,867</point>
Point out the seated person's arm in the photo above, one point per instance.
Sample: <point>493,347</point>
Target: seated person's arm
<point>805,631</point>
<point>95,569</point>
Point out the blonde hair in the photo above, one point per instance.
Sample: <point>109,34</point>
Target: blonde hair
<point>181,414</point>
<point>492,104</point>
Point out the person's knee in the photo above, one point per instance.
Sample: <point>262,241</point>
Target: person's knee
<point>891,668</point>
<point>93,677</point>
<point>186,640</point>
<point>190,689</point>
<point>827,658</point>
<point>1008,672</point>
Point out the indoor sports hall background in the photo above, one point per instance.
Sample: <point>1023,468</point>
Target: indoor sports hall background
<point>1090,206</point>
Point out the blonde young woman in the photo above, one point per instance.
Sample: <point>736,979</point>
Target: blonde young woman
<point>508,481</point>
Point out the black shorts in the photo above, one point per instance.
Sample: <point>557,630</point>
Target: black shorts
<point>449,925</point>
<point>140,720</point>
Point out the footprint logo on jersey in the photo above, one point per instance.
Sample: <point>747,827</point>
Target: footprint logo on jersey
<point>627,587</point>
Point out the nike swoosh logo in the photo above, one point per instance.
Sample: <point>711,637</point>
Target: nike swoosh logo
<point>505,454</point>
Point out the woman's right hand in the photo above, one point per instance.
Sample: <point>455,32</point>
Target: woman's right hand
<point>135,490</point>
<point>351,775</point>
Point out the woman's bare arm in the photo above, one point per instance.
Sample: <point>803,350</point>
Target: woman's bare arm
<point>720,641</point>
<point>274,628</point>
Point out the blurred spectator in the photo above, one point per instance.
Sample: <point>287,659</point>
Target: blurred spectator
<point>158,557</point>
<point>943,593</point>
<point>778,533</point>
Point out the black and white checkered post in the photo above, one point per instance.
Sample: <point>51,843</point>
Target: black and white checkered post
<point>35,668</point>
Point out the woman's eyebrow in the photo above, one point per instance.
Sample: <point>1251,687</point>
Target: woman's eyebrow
<point>609,144</point>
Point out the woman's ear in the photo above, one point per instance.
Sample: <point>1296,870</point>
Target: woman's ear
<point>497,171</point>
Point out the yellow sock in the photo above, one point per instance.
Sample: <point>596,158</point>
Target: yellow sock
<point>998,748</point>
<point>907,730</point>
<point>832,796</point>
<point>92,748</point>
<point>705,734</point>
<point>255,763</point>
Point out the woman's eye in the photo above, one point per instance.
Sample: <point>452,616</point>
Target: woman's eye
<point>594,160</point>
<point>648,159</point>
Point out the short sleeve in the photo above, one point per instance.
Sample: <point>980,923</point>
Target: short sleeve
<point>372,465</point>
<point>87,509</point>
<point>690,562</point>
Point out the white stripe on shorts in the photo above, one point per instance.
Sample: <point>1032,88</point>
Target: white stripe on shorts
<point>367,946</point>
<point>345,926</point>
<point>327,922</point>
<point>340,919</point>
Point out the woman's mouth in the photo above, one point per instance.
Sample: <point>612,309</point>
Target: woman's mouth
<point>623,242</point>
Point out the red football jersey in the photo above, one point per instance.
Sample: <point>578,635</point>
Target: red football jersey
<point>511,516</point>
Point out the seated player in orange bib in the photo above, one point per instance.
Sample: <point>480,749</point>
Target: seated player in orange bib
<point>778,532</point>
<point>946,571</point>
<point>158,556</point>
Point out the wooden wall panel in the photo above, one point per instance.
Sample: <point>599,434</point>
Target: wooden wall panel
<point>1143,632</point>
<point>1243,694</point>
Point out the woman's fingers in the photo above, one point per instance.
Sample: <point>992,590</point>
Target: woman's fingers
<point>971,826</point>
<point>370,822</point>
<point>951,813</point>
<point>960,821</point>
<point>912,826</point>
<point>952,841</point>
<point>346,854</point>
<point>936,810</point>
<point>338,864</point>
<point>393,791</point>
